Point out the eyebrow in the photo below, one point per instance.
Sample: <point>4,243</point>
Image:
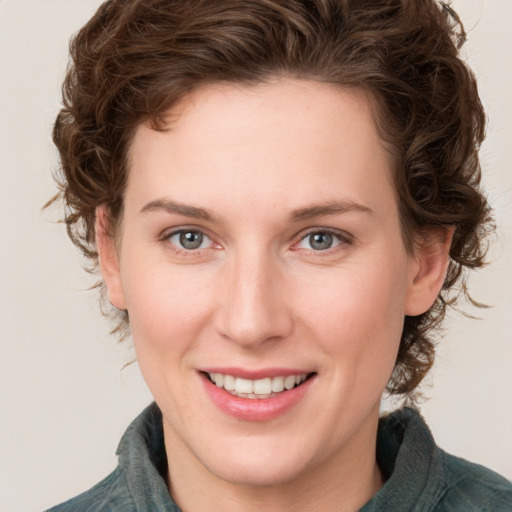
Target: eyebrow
<point>328,208</point>
<point>308,212</point>
<point>175,207</point>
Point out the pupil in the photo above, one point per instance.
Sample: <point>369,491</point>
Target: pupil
<point>191,239</point>
<point>321,241</point>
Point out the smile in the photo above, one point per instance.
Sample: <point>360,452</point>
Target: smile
<point>266,396</point>
<point>260,388</point>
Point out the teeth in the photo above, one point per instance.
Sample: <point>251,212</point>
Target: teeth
<point>289,382</point>
<point>243,385</point>
<point>261,388</point>
<point>277,384</point>
<point>229,382</point>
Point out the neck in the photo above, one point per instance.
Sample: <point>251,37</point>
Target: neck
<point>343,482</point>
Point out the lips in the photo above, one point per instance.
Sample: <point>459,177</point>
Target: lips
<point>256,399</point>
<point>259,388</point>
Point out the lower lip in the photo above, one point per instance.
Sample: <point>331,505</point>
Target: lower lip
<point>256,409</point>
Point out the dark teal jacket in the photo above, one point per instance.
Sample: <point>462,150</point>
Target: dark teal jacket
<point>420,477</point>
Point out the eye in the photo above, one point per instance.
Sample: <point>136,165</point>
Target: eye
<point>321,240</point>
<point>189,239</point>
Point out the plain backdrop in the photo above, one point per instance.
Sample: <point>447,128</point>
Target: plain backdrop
<point>64,400</point>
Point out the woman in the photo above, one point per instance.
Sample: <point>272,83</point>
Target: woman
<point>282,200</point>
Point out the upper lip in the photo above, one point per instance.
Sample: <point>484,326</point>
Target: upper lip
<point>255,374</point>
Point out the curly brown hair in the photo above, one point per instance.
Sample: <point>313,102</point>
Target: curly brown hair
<point>135,59</point>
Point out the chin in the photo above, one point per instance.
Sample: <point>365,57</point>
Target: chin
<point>264,472</point>
<point>260,460</point>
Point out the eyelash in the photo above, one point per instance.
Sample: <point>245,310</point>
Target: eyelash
<point>342,238</point>
<point>183,231</point>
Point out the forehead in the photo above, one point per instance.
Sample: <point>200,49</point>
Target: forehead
<point>261,140</point>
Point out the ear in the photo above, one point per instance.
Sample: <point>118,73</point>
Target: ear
<point>109,259</point>
<point>428,271</point>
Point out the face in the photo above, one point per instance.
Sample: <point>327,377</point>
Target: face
<point>260,249</point>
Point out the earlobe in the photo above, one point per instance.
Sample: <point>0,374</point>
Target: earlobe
<point>428,271</point>
<point>108,259</point>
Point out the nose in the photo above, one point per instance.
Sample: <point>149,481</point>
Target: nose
<point>253,306</point>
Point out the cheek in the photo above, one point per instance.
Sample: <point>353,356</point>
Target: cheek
<point>358,315</point>
<point>166,307</point>
<point>167,313</point>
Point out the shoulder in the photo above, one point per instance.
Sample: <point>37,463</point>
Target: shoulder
<point>474,487</point>
<point>138,482</point>
<point>421,477</point>
<point>111,494</point>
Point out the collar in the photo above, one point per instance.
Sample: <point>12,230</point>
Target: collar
<point>410,462</point>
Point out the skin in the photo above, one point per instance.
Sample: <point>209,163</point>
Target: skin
<point>264,162</point>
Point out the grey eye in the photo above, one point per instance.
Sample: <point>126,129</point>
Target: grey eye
<point>320,241</point>
<point>189,239</point>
